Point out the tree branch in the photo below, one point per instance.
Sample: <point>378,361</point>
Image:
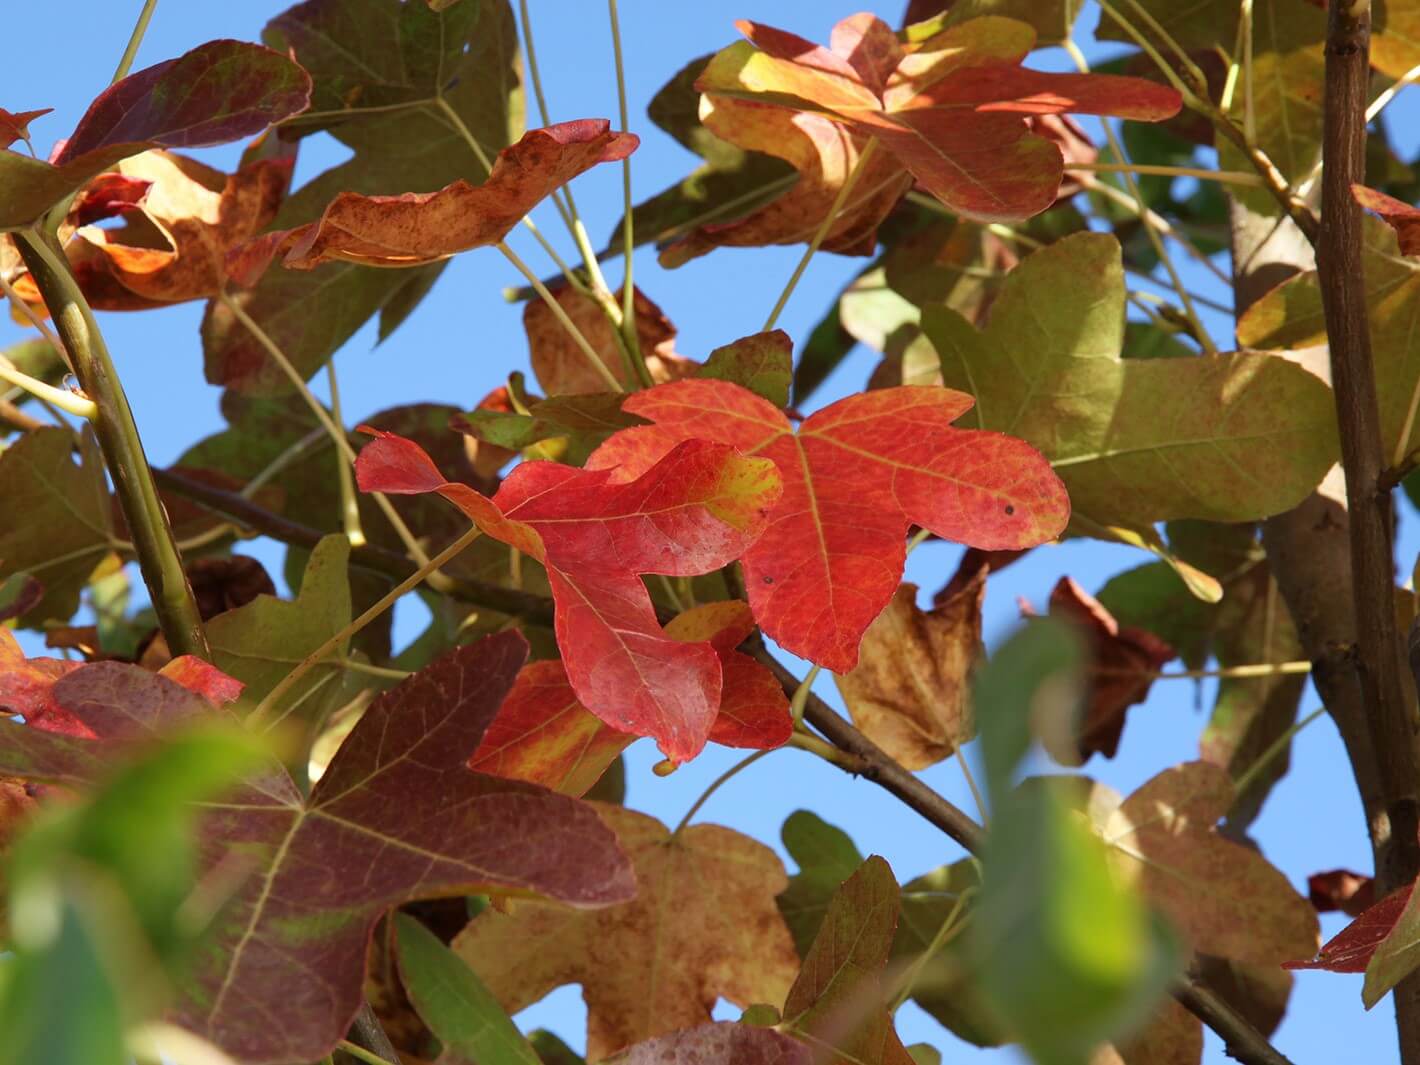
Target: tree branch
<point>158,556</point>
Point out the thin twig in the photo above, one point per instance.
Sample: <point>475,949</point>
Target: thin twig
<point>716,784</point>
<point>135,39</point>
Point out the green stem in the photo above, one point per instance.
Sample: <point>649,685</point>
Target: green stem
<point>1226,177</point>
<point>158,557</point>
<point>1145,215</point>
<point>67,401</point>
<point>716,784</point>
<point>944,935</point>
<point>360,1053</point>
<point>586,348</point>
<point>822,233</point>
<point>317,408</point>
<point>134,40</point>
<point>807,741</point>
<point>349,502</point>
<point>319,655</point>
<point>1252,772</point>
<point>801,695</point>
<point>542,109</point>
<point>628,229</point>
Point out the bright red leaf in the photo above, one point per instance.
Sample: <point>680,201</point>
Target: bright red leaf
<point>856,476</point>
<point>415,228</point>
<point>1350,950</point>
<point>544,735</point>
<point>218,92</point>
<point>692,512</point>
<point>396,816</point>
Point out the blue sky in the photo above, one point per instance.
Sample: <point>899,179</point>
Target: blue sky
<point>466,338</point>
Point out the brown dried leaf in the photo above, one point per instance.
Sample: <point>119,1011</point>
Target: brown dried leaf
<point>561,365</point>
<point>704,925</point>
<point>909,691</point>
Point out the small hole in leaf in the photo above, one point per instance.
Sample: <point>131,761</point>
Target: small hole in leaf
<point>768,580</point>
<point>1010,509</point>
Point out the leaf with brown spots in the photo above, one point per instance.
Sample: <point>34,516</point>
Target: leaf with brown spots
<point>703,926</point>
<point>1226,899</point>
<point>910,691</point>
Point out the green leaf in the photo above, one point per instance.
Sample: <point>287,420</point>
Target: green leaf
<point>1397,956</point>
<point>1066,954</point>
<point>552,1050</point>
<point>55,523</point>
<point>263,641</point>
<point>761,362</point>
<point>1224,437</point>
<point>1051,19</point>
<point>378,99</point>
<point>826,856</point>
<point>453,1001</point>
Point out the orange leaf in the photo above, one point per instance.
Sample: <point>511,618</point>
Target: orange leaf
<point>415,228</point>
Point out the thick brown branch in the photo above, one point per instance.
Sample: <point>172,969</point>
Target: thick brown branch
<point>1393,723</point>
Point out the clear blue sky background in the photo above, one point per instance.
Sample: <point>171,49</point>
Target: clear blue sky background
<point>465,339</point>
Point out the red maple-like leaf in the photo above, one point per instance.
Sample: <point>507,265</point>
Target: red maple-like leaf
<point>1350,950</point>
<point>856,475</point>
<point>695,510</point>
<point>396,816</point>
<point>544,735</point>
<point>416,228</point>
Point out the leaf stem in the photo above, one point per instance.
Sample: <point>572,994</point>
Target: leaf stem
<point>1146,216</point>
<point>525,17</point>
<point>586,348</point>
<point>1225,177</point>
<point>135,39</point>
<point>360,1053</point>
<point>158,557</point>
<point>716,784</point>
<point>946,931</point>
<point>1251,773</point>
<point>317,408</point>
<point>822,232</point>
<point>36,319</point>
<point>801,695</point>
<point>628,226</point>
<point>79,406</point>
<point>1261,669</point>
<point>349,502</point>
<point>1153,219</point>
<point>316,657</point>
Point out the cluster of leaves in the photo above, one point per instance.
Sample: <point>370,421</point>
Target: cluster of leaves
<point>644,543</point>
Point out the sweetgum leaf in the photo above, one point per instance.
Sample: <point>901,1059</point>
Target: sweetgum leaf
<point>15,125</point>
<point>702,926</point>
<point>731,183</point>
<point>948,111</point>
<point>56,516</point>
<point>856,475</point>
<point>1353,948</point>
<point>909,691</point>
<point>760,362</point>
<point>218,92</point>
<point>838,1001</point>
<point>200,214</point>
<point>826,856</point>
<point>1257,434</point>
<point>1225,898</point>
<point>365,56</point>
<point>692,512</point>
<point>397,799</point>
<point>413,229</point>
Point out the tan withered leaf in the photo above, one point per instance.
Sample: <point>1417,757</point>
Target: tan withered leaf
<point>703,926</point>
<point>1173,1036</point>
<point>415,228</point>
<point>909,691</point>
<point>173,246</point>
<point>1123,660</point>
<point>1226,899</point>
<point>561,365</point>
